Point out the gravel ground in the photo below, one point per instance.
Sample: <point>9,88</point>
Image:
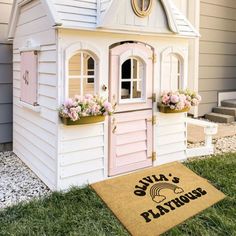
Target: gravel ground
<point>17,182</point>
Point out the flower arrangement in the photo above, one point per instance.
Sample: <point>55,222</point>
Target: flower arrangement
<point>179,101</point>
<point>79,107</point>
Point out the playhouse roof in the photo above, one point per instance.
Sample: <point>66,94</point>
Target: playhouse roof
<point>100,15</point>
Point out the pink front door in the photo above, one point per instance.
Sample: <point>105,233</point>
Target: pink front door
<point>130,129</point>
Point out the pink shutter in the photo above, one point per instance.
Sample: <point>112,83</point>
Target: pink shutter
<point>29,80</point>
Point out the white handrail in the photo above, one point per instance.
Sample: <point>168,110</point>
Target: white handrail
<point>210,129</point>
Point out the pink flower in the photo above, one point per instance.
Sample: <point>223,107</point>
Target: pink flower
<point>187,103</point>
<point>73,114</point>
<point>78,98</point>
<point>180,105</point>
<point>87,105</point>
<point>199,98</point>
<point>108,107</point>
<point>165,99</point>
<point>174,98</point>
<point>69,102</point>
<point>182,97</point>
<point>78,109</point>
<point>88,96</point>
<point>195,102</point>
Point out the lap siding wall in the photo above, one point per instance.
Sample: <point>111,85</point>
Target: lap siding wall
<point>35,133</point>
<point>5,75</point>
<point>82,154</point>
<point>171,137</point>
<point>217,69</point>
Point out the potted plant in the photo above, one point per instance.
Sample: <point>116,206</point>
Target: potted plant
<point>85,110</point>
<point>179,101</point>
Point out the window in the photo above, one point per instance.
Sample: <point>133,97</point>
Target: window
<point>132,80</point>
<point>172,71</point>
<point>29,77</point>
<point>81,74</point>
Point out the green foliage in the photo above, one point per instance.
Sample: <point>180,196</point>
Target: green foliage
<point>219,219</point>
<point>81,212</point>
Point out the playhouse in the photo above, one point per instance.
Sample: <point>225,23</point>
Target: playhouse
<point>126,50</point>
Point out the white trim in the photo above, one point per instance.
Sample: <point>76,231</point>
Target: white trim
<point>104,20</point>
<point>17,4</point>
<point>13,21</point>
<point>29,106</point>
<point>170,18</point>
<point>29,49</point>
<point>210,129</point>
<point>129,54</point>
<point>200,151</point>
<point>181,54</point>
<point>51,12</point>
<point>72,50</point>
<point>226,96</point>
<point>127,31</point>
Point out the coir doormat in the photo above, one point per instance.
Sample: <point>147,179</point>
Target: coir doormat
<point>152,201</point>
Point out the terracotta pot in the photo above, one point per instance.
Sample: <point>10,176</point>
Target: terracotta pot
<point>83,120</point>
<point>166,109</point>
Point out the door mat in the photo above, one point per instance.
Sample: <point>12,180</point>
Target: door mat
<point>152,201</point>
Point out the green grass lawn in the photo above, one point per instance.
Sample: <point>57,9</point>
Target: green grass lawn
<point>81,212</point>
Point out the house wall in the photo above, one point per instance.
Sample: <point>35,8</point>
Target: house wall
<point>77,13</point>
<point>217,70</point>
<point>35,133</point>
<point>171,142</point>
<point>191,9</point>
<point>83,149</point>
<point>5,76</point>
<point>182,5</point>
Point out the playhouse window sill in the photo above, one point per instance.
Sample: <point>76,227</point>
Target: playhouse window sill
<point>30,107</point>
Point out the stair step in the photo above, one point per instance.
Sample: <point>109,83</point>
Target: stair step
<point>231,111</point>
<point>229,103</point>
<point>219,118</point>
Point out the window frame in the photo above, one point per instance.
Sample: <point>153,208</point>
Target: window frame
<point>94,70</point>
<point>180,71</point>
<point>68,52</point>
<point>143,98</point>
<point>182,56</point>
<point>82,77</point>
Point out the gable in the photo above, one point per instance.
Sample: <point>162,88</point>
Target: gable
<point>23,12</point>
<point>120,16</point>
<point>115,15</point>
<point>165,17</point>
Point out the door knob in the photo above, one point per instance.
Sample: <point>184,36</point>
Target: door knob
<point>104,87</point>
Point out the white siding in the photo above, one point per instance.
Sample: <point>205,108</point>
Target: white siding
<point>182,6</point>
<point>81,154</point>
<point>104,5</point>
<point>120,16</point>
<point>217,71</point>
<point>77,160</point>
<point>170,137</point>
<point>5,74</point>
<point>5,10</point>
<point>35,140</point>
<point>77,13</point>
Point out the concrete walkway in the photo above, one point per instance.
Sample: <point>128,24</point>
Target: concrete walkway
<point>196,133</point>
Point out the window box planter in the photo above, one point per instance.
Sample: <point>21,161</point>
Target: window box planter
<point>83,120</point>
<point>165,109</point>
